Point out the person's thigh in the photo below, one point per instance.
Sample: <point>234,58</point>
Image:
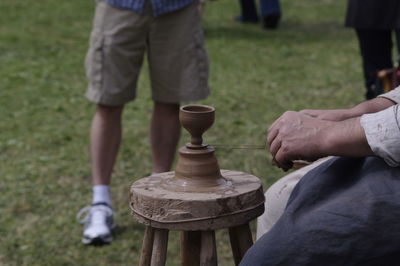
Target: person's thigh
<point>343,212</point>
<point>177,57</point>
<point>115,55</point>
<point>277,196</point>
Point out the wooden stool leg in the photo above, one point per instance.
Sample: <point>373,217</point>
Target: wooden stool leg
<point>190,248</point>
<point>208,254</point>
<point>159,254</point>
<point>241,240</point>
<point>147,247</point>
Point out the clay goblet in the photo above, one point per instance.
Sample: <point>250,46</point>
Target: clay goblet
<point>196,119</point>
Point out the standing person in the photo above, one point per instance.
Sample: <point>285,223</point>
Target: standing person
<point>374,22</point>
<point>170,33</point>
<point>270,13</point>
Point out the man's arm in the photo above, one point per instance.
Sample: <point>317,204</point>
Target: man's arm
<point>367,107</point>
<point>382,130</point>
<point>297,136</point>
<point>370,128</point>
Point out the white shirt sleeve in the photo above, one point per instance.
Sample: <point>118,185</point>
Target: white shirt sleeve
<point>393,95</point>
<point>383,133</point>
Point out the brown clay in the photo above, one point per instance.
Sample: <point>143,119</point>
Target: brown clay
<point>159,206</point>
<point>196,119</point>
<point>197,168</point>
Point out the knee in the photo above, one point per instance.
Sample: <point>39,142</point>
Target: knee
<point>166,107</point>
<point>276,198</point>
<point>107,111</point>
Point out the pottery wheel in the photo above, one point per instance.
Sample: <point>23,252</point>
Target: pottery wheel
<point>156,204</point>
<point>197,195</point>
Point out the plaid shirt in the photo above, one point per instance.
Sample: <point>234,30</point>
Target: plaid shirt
<point>159,6</point>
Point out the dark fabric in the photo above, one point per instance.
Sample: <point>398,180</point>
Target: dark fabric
<point>373,14</point>
<point>376,54</point>
<point>269,7</point>
<point>374,21</point>
<point>249,9</point>
<point>344,212</point>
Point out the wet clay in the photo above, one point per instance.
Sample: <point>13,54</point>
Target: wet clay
<point>197,168</point>
<point>151,202</point>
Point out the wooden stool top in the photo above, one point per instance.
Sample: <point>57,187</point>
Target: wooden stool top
<point>154,204</point>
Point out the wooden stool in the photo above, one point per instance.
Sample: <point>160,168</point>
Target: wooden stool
<point>197,215</point>
<point>197,198</point>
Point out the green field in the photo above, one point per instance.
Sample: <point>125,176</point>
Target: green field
<point>311,61</point>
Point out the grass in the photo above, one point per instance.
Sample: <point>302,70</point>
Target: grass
<point>311,61</point>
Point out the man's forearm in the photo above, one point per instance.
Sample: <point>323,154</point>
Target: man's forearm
<point>358,131</point>
<point>347,138</point>
<point>371,106</point>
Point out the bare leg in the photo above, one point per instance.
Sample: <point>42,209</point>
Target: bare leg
<point>105,138</point>
<point>164,135</point>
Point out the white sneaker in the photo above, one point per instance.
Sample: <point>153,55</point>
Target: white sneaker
<point>97,224</point>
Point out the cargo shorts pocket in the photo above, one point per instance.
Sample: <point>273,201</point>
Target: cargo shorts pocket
<point>200,87</point>
<point>201,57</point>
<point>94,61</point>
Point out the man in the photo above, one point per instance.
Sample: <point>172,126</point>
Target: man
<point>344,211</point>
<point>170,33</point>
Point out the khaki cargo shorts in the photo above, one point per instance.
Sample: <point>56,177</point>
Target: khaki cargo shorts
<point>174,45</point>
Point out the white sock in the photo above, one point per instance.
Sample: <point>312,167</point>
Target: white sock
<point>101,193</point>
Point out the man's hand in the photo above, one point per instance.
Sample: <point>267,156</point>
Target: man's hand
<point>298,136</point>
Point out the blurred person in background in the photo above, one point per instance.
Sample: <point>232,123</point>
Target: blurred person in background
<point>374,22</point>
<point>270,13</point>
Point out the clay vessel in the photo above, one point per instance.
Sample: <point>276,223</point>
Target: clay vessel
<point>196,119</point>
<point>197,169</point>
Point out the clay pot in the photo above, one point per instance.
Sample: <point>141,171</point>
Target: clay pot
<point>196,119</point>
<point>197,169</point>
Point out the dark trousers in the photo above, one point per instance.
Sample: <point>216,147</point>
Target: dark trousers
<point>376,53</point>
<point>268,7</point>
<point>343,212</point>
